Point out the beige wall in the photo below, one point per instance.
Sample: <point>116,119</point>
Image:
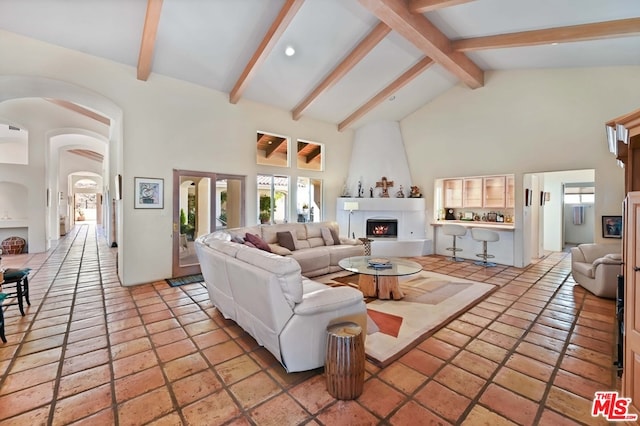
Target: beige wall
<point>522,122</point>
<point>169,124</point>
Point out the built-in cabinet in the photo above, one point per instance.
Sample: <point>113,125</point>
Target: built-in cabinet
<point>493,192</point>
<point>452,190</point>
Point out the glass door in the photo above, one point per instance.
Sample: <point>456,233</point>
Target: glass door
<point>202,203</point>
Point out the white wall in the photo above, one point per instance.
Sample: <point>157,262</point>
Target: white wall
<point>169,124</point>
<point>522,122</point>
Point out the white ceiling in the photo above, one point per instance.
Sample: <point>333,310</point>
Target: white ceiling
<point>209,43</point>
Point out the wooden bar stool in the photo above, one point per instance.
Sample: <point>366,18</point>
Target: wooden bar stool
<point>456,231</point>
<point>485,236</point>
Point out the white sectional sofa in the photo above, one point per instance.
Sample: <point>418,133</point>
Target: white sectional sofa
<point>311,250</point>
<point>267,295</point>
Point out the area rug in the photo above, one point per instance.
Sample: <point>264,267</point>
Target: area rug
<point>431,301</point>
<point>189,279</point>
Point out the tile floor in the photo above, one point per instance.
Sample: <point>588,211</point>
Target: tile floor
<point>90,351</point>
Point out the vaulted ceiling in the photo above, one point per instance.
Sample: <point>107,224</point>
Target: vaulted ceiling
<point>355,61</point>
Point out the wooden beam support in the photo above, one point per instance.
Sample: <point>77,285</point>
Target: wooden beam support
<point>147,47</point>
<point>273,147</point>
<point>427,37</point>
<point>279,25</point>
<point>594,31</point>
<point>422,6</point>
<point>356,55</point>
<point>400,82</point>
<point>313,154</point>
<point>80,110</point>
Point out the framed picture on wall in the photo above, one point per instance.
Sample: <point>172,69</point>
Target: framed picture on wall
<point>149,193</point>
<point>612,226</point>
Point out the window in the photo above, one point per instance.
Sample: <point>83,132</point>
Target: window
<point>309,200</point>
<point>579,194</point>
<point>273,199</point>
<point>310,155</point>
<point>272,150</point>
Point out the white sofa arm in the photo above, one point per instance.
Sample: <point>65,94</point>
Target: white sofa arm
<point>330,299</point>
<point>608,260</point>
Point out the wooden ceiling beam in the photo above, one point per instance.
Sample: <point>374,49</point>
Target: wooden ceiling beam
<point>278,27</point>
<point>353,58</point>
<point>313,154</point>
<point>584,32</point>
<point>400,82</point>
<point>273,147</point>
<point>427,37</point>
<point>422,6</point>
<point>148,44</point>
<point>80,110</point>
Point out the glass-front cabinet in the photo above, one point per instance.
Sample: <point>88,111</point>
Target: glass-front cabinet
<point>452,190</point>
<point>495,192</point>
<point>476,198</point>
<point>472,192</point>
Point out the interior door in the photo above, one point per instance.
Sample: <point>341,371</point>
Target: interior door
<point>203,202</point>
<point>631,362</point>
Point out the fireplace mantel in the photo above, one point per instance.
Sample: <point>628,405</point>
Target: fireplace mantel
<point>411,216</point>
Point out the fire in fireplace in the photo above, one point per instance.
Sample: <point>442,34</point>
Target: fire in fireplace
<point>382,228</point>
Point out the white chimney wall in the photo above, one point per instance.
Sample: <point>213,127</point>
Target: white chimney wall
<point>378,150</point>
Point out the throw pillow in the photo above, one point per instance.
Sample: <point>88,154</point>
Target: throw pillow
<point>257,241</point>
<point>327,237</point>
<point>336,237</point>
<point>286,240</point>
<point>277,249</point>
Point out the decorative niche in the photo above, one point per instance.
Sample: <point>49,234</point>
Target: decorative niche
<point>310,155</point>
<point>272,150</point>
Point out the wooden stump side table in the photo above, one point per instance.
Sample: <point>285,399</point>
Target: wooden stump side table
<point>380,282</point>
<point>344,360</point>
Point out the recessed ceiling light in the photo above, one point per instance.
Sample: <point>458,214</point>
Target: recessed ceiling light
<point>554,44</point>
<point>289,51</point>
<point>392,98</point>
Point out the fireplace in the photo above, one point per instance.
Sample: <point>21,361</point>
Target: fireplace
<point>382,228</point>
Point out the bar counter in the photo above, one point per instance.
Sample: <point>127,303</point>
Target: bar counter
<point>503,250</point>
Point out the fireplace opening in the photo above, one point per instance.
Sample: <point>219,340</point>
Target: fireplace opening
<point>382,228</point>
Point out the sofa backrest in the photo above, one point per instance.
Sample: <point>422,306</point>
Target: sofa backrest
<point>595,251</point>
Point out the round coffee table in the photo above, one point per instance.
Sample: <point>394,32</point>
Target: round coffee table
<point>382,281</point>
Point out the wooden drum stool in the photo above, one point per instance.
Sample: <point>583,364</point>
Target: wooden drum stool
<point>344,361</point>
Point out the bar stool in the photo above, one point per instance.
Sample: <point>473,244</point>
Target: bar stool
<point>485,236</point>
<point>454,231</point>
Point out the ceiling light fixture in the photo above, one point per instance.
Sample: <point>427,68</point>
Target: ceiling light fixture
<point>289,51</point>
<point>554,43</point>
<point>392,98</point>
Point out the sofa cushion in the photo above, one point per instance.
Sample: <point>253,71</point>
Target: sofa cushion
<point>287,240</point>
<point>327,237</point>
<point>257,242</point>
<point>277,249</point>
<point>270,232</point>
<point>285,269</point>
<point>312,259</point>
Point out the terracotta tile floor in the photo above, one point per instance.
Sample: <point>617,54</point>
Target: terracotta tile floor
<point>90,351</point>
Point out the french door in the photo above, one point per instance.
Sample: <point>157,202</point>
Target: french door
<point>203,202</point>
